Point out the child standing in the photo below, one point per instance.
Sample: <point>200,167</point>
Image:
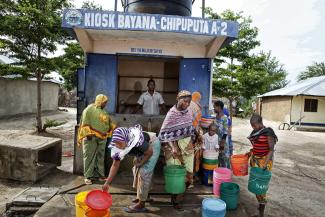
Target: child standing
<point>223,134</point>
<point>211,139</point>
<point>263,140</point>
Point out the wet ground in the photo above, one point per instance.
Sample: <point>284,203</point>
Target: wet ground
<point>297,187</point>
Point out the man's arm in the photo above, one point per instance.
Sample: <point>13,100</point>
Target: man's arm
<point>162,104</point>
<point>136,109</point>
<point>139,105</point>
<point>163,108</point>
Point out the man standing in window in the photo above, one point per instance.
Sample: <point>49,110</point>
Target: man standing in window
<point>150,101</point>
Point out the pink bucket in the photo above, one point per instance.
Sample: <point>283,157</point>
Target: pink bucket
<point>220,175</point>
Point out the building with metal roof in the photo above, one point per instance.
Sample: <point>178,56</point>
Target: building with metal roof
<point>301,104</point>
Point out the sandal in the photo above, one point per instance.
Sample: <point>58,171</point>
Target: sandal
<point>149,200</point>
<point>88,182</point>
<point>130,209</point>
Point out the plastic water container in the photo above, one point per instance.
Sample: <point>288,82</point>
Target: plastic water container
<point>239,164</point>
<point>220,175</point>
<point>210,154</point>
<point>174,179</point>
<point>207,177</point>
<point>230,194</point>
<point>212,207</point>
<point>206,121</point>
<point>84,204</point>
<point>259,180</point>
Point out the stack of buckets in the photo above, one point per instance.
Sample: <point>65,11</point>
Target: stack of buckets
<point>206,121</point>
<point>209,163</point>
<point>96,206</point>
<point>220,175</point>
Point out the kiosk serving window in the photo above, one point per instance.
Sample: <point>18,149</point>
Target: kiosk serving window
<point>134,73</point>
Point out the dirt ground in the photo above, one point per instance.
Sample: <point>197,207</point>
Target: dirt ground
<point>297,186</point>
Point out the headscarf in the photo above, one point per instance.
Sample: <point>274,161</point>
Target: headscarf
<point>196,97</point>
<point>100,100</point>
<point>95,121</point>
<point>120,134</point>
<point>183,94</point>
<point>133,137</point>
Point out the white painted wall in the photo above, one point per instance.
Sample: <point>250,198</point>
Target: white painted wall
<point>309,117</point>
<point>135,73</point>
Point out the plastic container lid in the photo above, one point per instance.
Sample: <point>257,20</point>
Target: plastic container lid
<point>213,204</point>
<point>99,200</point>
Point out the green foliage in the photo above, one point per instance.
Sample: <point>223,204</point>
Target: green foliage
<point>314,70</point>
<point>91,5</point>
<point>276,72</point>
<point>238,72</point>
<point>73,57</point>
<point>246,106</point>
<point>52,123</point>
<point>69,62</point>
<point>29,31</point>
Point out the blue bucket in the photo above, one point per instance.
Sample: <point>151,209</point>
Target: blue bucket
<point>207,178</point>
<point>212,207</point>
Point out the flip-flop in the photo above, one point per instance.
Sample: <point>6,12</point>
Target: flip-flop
<point>128,209</point>
<point>149,200</point>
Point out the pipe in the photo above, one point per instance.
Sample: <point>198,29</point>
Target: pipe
<point>115,6</point>
<point>203,8</point>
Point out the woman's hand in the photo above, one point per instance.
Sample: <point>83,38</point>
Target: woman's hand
<point>105,187</point>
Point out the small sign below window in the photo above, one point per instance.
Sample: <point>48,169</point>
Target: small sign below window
<point>311,105</point>
<point>146,50</point>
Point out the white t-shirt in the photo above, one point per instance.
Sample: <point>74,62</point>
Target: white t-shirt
<point>150,104</point>
<point>210,142</point>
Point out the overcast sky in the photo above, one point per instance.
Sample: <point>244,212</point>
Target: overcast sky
<point>293,30</point>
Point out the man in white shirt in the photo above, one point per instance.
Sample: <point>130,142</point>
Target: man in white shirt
<point>150,101</point>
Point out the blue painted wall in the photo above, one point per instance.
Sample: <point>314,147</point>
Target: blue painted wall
<point>195,75</point>
<point>101,78</point>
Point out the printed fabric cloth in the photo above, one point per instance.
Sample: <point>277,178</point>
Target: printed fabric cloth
<point>177,125</point>
<point>143,175</point>
<point>133,137</point>
<point>95,121</point>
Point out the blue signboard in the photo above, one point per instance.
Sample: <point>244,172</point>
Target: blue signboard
<point>111,20</point>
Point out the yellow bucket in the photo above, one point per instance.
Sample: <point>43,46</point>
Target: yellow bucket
<point>82,210</point>
<point>209,167</point>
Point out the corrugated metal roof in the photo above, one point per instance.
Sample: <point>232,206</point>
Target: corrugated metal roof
<point>309,87</point>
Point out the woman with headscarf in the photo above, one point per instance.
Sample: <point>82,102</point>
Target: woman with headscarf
<point>95,127</point>
<point>177,135</point>
<point>145,147</point>
<point>196,109</point>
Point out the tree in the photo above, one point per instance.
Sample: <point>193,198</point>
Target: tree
<point>69,62</point>
<point>229,59</point>
<point>276,72</point>
<point>91,5</point>
<point>314,70</point>
<point>73,57</point>
<point>30,30</point>
<point>238,72</point>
